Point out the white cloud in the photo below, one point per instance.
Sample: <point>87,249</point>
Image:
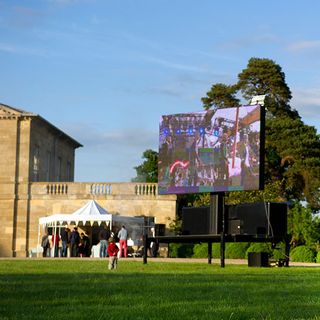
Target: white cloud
<point>115,139</point>
<point>245,42</point>
<point>68,2</point>
<point>306,97</point>
<point>110,155</point>
<point>307,103</point>
<point>174,65</point>
<point>304,45</point>
<point>9,48</point>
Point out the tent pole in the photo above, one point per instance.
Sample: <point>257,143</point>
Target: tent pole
<point>55,240</point>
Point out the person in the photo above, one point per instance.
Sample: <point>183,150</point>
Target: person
<point>55,243</point>
<point>113,254</point>
<point>64,239</point>
<point>104,235</point>
<point>84,245</point>
<point>153,244</point>
<point>87,245</point>
<point>74,240</point>
<point>123,237</point>
<point>45,244</point>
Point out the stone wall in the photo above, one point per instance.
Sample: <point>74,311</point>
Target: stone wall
<point>34,150</point>
<point>55,154</point>
<point>45,199</point>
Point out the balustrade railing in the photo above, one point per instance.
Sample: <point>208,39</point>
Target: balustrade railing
<point>146,189</point>
<point>57,188</point>
<point>101,188</point>
<point>95,189</point>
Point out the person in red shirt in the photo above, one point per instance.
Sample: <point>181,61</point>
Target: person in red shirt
<point>113,254</point>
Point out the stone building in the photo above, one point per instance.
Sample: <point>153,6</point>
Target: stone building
<point>37,179</point>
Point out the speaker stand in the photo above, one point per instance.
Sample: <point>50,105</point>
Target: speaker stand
<point>218,218</point>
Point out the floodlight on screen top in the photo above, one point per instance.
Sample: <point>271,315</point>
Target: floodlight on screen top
<point>211,151</point>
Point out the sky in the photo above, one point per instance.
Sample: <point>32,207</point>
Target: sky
<point>105,71</point>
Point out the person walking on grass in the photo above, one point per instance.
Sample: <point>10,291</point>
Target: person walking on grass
<point>123,237</point>
<point>113,254</point>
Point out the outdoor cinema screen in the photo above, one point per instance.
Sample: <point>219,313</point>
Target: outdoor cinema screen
<point>211,151</point>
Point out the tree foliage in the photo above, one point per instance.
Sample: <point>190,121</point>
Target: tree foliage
<point>292,148</point>
<point>292,151</point>
<point>221,96</point>
<point>303,227</point>
<point>148,170</point>
<point>264,77</point>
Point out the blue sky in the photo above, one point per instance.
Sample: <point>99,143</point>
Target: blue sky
<point>105,71</point>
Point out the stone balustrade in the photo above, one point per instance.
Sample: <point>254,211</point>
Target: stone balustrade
<point>93,189</point>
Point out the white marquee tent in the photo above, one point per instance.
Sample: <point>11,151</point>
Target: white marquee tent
<point>93,213</point>
<point>90,212</point>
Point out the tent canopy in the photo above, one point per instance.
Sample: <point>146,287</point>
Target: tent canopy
<point>90,212</point>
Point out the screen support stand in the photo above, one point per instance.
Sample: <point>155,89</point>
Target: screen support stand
<point>209,252</point>
<point>218,222</point>
<point>145,241</point>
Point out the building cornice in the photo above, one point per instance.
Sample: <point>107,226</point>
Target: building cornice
<point>10,113</point>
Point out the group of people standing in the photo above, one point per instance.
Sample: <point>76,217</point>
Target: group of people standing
<point>77,244</point>
<point>106,235</point>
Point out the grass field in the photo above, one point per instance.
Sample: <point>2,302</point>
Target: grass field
<point>86,289</point>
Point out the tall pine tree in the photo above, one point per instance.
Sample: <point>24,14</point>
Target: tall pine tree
<point>292,164</point>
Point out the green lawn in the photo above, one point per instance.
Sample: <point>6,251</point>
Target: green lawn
<point>86,289</point>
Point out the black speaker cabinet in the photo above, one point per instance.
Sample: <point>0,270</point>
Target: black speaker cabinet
<point>260,218</point>
<point>204,220</point>
<point>159,229</point>
<point>235,226</point>
<point>258,259</point>
<point>196,220</point>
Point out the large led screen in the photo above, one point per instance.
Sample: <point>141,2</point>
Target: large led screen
<point>211,151</point>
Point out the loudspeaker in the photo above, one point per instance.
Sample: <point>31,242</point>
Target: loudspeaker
<point>235,226</point>
<point>260,218</point>
<point>196,220</point>
<point>217,208</point>
<point>278,218</point>
<point>159,229</point>
<point>204,220</point>
<point>258,259</point>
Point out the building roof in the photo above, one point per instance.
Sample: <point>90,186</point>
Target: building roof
<point>8,112</point>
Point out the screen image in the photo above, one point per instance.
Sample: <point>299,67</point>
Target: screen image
<point>211,151</point>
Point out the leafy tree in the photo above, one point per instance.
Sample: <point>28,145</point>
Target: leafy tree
<point>302,254</point>
<point>175,225</point>
<point>265,77</point>
<point>148,170</point>
<point>292,149</point>
<point>221,96</point>
<point>303,227</point>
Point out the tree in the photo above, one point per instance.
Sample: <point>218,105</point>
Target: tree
<point>292,153</point>
<point>292,148</point>
<point>303,227</point>
<point>148,170</point>
<point>220,96</point>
